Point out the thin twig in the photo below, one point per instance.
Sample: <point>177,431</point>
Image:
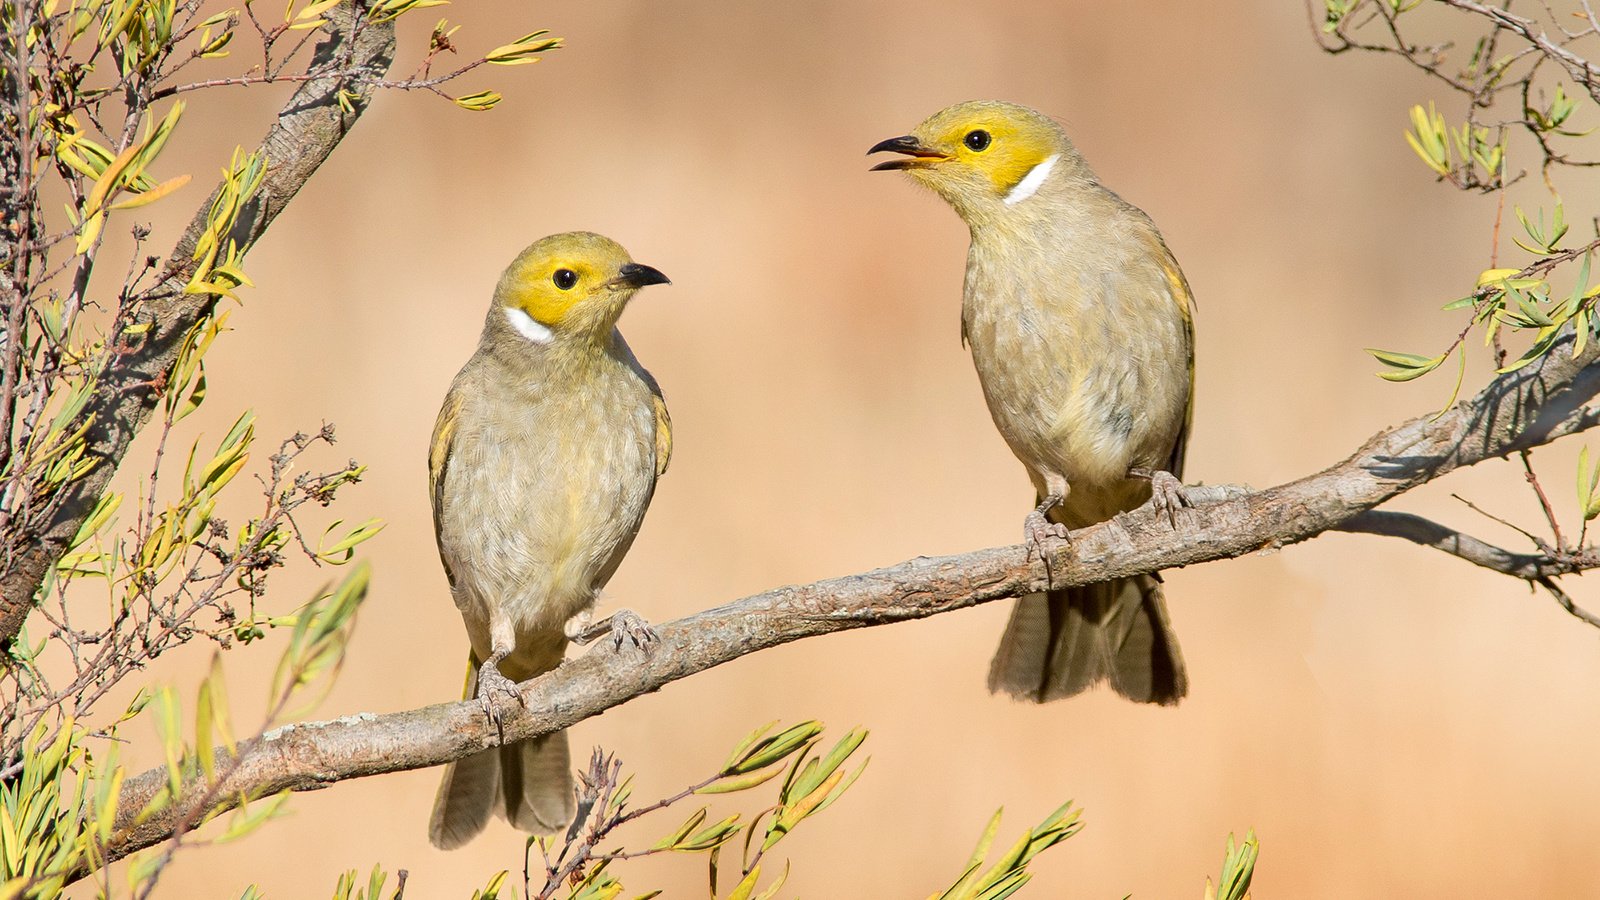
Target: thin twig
<point>1544,502</point>
<point>1566,602</point>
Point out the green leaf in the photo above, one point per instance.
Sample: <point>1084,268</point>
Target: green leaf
<point>321,633</point>
<point>745,744</point>
<point>1427,138</point>
<point>388,10</point>
<point>746,885</point>
<point>1579,286</point>
<point>827,765</point>
<point>1009,873</point>
<point>839,789</point>
<point>1407,365</point>
<point>523,50</point>
<point>766,751</point>
<point>169,726</point>
<point>772,889</point>
<point>202,733</point>
<point>1588,486</point>
<point>152,195</point>
<point>1531,313</point>
<point>312,10</point>
<point>731,784</point>
<point>1238,867</point>
<point>1541,346</point>
<point>491,891</point>
<point>711,836</point>
<point>248,818</point>
<point>1461,374</point>
<point>104,509</point>
<point>343,550</point>
<point>482,101</point>
<point>672,840</point>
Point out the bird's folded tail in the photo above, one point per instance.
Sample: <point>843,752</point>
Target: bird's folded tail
<point>529,784</point>
<point>1064,642</point>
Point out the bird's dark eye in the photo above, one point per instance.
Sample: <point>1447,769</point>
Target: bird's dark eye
<point>565,279</point>
<point>976,141</point>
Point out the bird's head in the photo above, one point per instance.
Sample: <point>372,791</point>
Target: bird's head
<point>565,287</point>
<point>984,155</point>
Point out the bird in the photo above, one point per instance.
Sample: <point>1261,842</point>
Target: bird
<point>543,461</point>
<point>1081,328</point>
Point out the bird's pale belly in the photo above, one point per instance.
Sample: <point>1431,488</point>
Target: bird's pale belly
<point>543,523</point>
<point>1063,416</point>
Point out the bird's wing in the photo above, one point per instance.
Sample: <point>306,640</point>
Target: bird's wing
<point>663,420</point>
<point>663,435</point>
<point>1185,300</point>
<point>444,433</point>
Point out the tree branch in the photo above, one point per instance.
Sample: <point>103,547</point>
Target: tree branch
<point>1527,408</point>
<point>1561,597</point>
<point>1577,68</point>
<point>355,54</point>
<point>1427,533</point>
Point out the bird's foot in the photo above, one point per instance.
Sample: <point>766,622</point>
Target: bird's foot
<point>497,693</point>
<point>623,625</point>
<point>627,625</point>
<point>1042,535</point>
<point>1168,495</point>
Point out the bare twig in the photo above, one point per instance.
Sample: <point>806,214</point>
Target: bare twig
<point>1544,502</point>
<point>1427,533</point>
<point>1555,590</point>
<point>1577,68</point>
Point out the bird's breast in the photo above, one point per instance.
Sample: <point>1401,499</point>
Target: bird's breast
<point>1083,356</point>
<point>546,488</point>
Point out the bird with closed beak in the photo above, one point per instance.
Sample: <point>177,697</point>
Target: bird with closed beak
<point>1081,328</point>
<point>544,458</point>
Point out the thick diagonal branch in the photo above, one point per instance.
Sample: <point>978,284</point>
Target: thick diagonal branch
<point>355,54</point>
<point>1523,409</point>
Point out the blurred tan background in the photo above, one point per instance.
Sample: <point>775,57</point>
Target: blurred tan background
<point>1391,721</point>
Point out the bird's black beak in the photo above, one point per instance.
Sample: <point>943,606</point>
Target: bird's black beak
<point>637,275</point>
<point>918,155</point>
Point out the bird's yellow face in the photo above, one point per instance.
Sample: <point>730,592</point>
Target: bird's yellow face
<point>982,154</point>
<point>576,282</point>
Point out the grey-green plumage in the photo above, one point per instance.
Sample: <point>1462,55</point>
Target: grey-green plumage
<point>544,460</point>
<point>1085,417</point>
<point>1080,326</point>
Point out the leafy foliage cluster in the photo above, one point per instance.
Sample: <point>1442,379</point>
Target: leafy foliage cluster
<point>1527,91</point>
<point>91,93</point>
<point>573,866</point>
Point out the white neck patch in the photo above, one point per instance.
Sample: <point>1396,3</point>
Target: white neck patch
<point>1031,182</point>
<point>524,325</point>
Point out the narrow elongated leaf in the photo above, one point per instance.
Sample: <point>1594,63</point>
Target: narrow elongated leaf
<point>1407,365</point>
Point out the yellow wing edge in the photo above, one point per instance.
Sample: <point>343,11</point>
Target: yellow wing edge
<point>1186,305</point>
<point>444,433</point>
<point>663,434</point>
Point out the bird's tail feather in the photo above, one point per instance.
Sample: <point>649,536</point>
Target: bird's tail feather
<point>529,784</point>
<point>1064,642</point>
<point>465,800</point>
<point>536,784</point>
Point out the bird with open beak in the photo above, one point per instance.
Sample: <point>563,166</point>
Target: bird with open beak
<point>1081,327</point>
